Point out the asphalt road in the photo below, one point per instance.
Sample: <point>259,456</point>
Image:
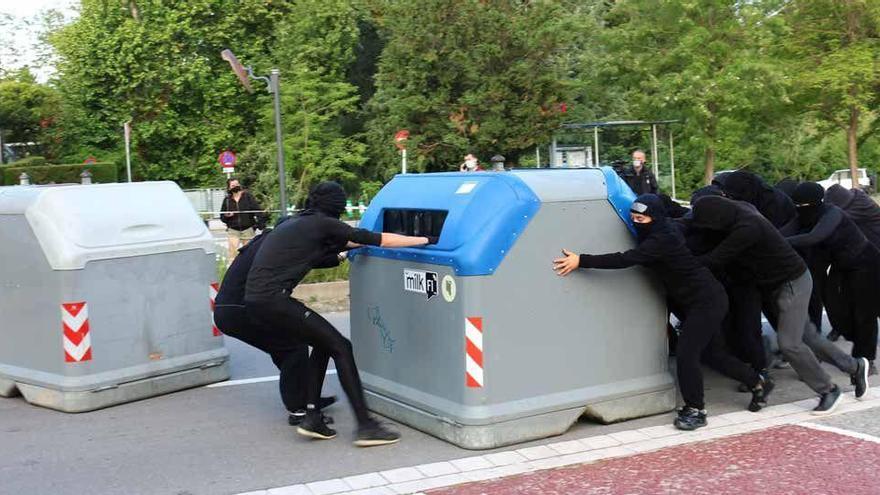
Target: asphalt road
<point>233,439</point>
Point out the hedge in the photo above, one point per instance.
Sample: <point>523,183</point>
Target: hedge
<point>102,172</point>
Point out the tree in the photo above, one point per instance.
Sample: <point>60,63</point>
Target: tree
<point>157,64</point>
<point>27,109</point>
<point>835,57</point>
<point>704,62</point>
<point>487,76</point>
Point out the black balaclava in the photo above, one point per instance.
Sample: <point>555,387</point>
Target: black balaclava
<point>714,213</point>
<point>808,197</point>
<point>328,198</point>
<point>839,196</point>
<point>652,206</point>
<point>787,186</point>
<point>742,186</point>
<point>710,190</point>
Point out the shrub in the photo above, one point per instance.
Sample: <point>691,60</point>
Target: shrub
<point>60,174</point>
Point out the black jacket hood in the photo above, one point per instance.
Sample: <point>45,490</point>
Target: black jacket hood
<point>714,213</point>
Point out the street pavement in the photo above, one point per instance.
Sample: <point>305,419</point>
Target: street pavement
<point>234,438</point>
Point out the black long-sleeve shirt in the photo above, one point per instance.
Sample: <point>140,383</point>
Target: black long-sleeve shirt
<point>750,240</point>
<point>835,234</point>
<point>687,282</point>
<point>857,205</point>
<point>254,216</point>
<point>309,240</point>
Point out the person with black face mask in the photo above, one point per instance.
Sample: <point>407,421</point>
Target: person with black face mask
<point>780,273</point>
<point>313,239</point>
<point>692,288</point>
<point>774,204</point>
<point>828,229</point>
<point>289,354</point>
<point>865,212</point>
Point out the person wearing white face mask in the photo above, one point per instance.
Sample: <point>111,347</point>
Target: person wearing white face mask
<point>471,164</point>
<point>642,180</point>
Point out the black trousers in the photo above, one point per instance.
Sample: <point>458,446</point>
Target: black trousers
<point>289,354</point>
<point>860,287</point>
<point>743,329</point>
<point>701,323</point>
<point>291,316</point>
<point>718,357</point>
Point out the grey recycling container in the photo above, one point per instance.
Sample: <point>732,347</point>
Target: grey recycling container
<point>475,339</point>
<point>105,292</point>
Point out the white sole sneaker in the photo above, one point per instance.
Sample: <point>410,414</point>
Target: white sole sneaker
<point>830,409</point>
<point>374,443</point>
<point>312,434</point>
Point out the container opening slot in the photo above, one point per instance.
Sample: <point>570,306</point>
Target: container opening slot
<point>413,222</point>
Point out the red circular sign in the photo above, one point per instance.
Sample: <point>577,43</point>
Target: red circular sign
<point>227,159</point>
<point>400,138</point>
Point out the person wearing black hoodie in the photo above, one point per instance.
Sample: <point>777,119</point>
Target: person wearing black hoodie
<point>314,238</point>
<point>865,212</point>
<point>781,274</point>
<point>774,204</point>
<point>690,286</point>
<point>828,229</point>
<point>289,354</point>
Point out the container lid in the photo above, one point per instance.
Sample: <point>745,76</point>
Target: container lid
<point>75,224</point>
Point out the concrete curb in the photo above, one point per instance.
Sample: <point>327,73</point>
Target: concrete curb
<point>322,291</point>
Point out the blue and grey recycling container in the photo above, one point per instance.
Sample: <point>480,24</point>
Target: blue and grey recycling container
<point>476,340</point>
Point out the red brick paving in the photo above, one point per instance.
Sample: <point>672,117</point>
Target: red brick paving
<point>787,460</point>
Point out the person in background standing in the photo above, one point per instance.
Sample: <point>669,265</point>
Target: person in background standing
<point>241,213</point>
<point>471,164</point>
<point>642,180</point>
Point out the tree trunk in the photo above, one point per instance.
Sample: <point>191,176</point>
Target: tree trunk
<point>710,165</point>
<point>852,151</point>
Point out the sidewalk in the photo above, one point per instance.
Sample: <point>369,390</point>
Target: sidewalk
<point>782,450</point>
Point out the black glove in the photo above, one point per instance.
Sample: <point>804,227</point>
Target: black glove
<point>432,239</point>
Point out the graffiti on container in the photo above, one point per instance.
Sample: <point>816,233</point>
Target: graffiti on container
<point>384,334</point>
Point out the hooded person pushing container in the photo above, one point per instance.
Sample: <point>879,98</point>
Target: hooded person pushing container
<point>690,286</point>
<point>781,274</point>
<point>313,239</point>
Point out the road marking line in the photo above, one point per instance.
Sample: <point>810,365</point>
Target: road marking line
<point>841,431</point>
<point>246,381</point>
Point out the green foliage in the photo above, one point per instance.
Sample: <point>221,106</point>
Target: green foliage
<point>102,173</point>
<point>327,274</point>
<point>158,65</point>
<point>27,109</point>
<point>30,161</point>
<point>469,75</point>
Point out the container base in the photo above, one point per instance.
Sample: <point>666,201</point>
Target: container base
<point>90,400</point>
<point>518,430</point>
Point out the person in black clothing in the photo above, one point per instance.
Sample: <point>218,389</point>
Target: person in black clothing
<point>780,273</point>
<point>828,229</point>
<point>240,226</point>
<point>741,328</point>
<point>858,206</point>
<point>313,239</point>
<point>865,212</point>
<point>772,203</point>
<point>787,186</point>
<point>289,354</point>
<point>690,286</point>
<point>639,178</point>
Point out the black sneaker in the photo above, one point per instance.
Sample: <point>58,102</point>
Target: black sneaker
<point>314,425</point>
<point>296,417</point>
<point>690,418</point>
<point>760,394</point>
<point>828,402</point>
<point>372,434</point>
<point>743,388</point>
<point>833,336</point>
<point>860,377</point>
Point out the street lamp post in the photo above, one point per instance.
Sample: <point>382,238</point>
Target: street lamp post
<point>273,86</point>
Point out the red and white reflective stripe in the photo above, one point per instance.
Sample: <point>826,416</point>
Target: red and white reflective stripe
<point>473,333</point>
<point>212,294</point>
<point>75,327</point>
